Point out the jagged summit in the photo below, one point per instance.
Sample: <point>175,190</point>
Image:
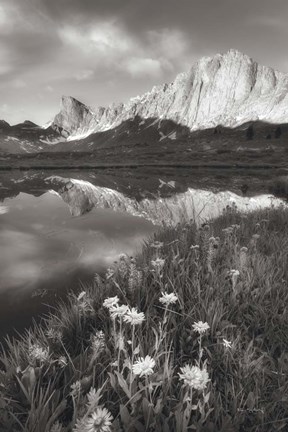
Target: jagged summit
<point>72,116</point>
<point>226,89</point>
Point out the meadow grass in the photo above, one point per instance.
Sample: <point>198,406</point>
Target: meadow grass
<point>192,334</point>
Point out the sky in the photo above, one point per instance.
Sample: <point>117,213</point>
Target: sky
<point>104,51</point>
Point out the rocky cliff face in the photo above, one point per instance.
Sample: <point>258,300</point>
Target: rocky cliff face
<point>227,89</point>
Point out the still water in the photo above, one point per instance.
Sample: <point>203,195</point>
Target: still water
<point>44,251</point>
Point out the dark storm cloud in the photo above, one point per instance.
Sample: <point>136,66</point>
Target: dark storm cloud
<point>105,50</point>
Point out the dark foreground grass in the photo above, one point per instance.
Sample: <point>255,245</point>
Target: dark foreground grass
<point>231,274</point>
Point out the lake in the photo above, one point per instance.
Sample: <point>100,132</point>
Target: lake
<point>59,229</point>
<point>45,251</point>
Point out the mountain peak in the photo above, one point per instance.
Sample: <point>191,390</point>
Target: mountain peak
<point>226,89</point>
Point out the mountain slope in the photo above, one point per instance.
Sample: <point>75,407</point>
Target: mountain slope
<point>227,89</point>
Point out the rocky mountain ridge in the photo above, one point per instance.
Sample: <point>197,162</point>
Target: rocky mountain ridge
<point>226,89</point>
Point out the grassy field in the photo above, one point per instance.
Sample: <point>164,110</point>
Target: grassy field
<point>189,335</point>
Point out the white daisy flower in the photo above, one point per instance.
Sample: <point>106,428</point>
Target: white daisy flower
<point>110,302</point>
<point>99,421</point>
<point>143,366</point>
<point>200,327</point>
<point>134,317</point>
<point>118,311</point>
<point>168,299</point>
<point>194,377</point>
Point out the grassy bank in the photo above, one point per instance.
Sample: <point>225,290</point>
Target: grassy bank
<point>217,349</point>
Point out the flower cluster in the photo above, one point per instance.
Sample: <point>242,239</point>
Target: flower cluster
<point>194,377</point>
<point>129,315</point>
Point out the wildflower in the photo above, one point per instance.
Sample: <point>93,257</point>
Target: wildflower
<point>55,335</point>
<point>110,302</point>
<point>168,299</point>
<point>62,361</point>
<point>255,236</point>
<point>37,352</point>
<point>158,263</point>
<point>123,265</point>
<point>93,397</point>
<point>227,230</point>
<point>193,247</point>
<point>143,366</point>
<point>84,306</point>
<point>118,311</point>
<point>135,277</point>
<point>75,388</point>
<point>235,227</point>
<point>157,245</point>
<point>99,421</point>
<point>227,344</point>
<point>234,276</point>
<point>81,295</point>
<point>200,327</point>
<point>109,273</point>
<point>205,227</point>
<point>194,377</point>
<point>122,257</point>
<point>97,341</point>
<point>134,317</point>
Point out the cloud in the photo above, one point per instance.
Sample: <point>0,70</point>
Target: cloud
<point>79,47</point>
<point>84,75</point>
<point>141,67</point>
<point>18,83</point>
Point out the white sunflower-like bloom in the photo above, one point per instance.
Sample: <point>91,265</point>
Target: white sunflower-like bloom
<point>99,421</point>
<point>200,327</point>
<point>118,311</point>
<point>143,366</point>
<point>194,377</point>
<point>168,299</point>
<point>110,302</point>
<point>134,317</point>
